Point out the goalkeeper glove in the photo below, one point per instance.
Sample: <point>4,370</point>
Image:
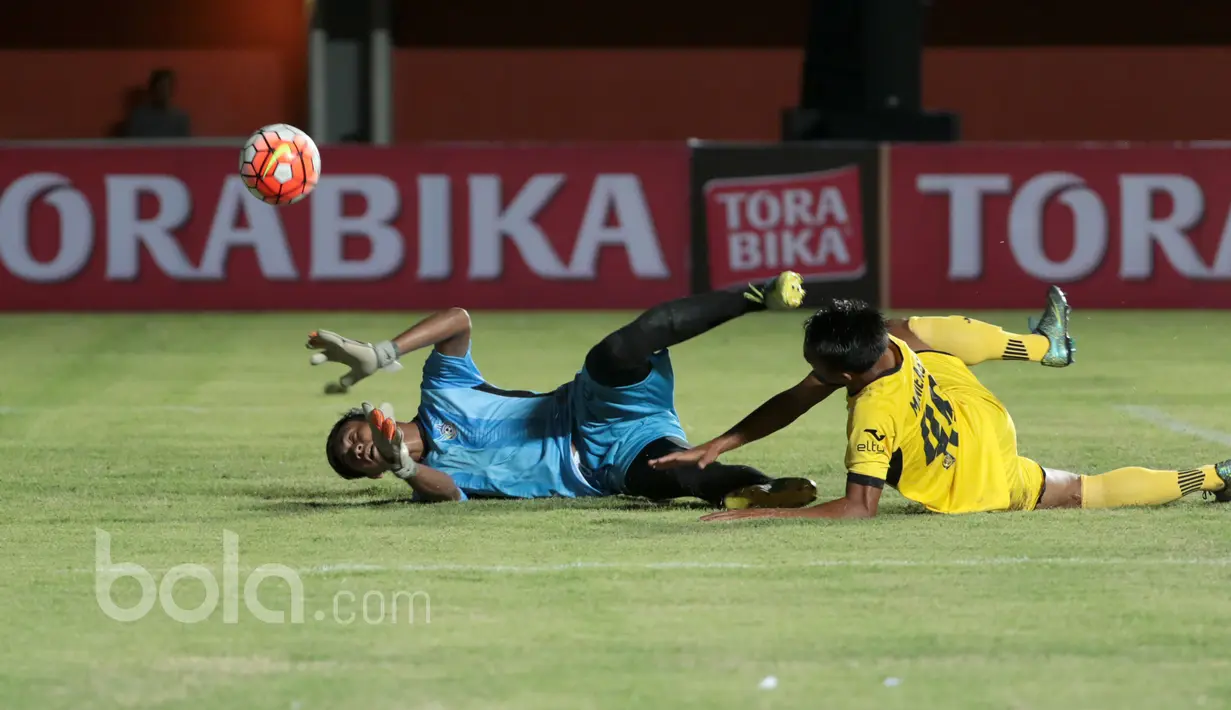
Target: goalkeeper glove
<point>362,358</point>
<point>389,440</point>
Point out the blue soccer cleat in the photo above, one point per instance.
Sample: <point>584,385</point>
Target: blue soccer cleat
<point>1223,470</point>
<point>1054,325</point>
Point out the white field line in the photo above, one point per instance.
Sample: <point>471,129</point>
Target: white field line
<point>344,568</point>
<point>680,565</point>
<point>1163,420</point>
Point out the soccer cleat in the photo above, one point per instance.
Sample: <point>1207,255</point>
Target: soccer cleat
<point>1054,325</point>
<point>784,292</point>
<point>1224,472</point>
<point>778,493</point>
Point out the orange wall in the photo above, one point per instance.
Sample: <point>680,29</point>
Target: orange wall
<point>1083,93</point>
<point>1052,93</point>
<point>1037,93</point>
<point>68,72</point>
<point>593,94</point>
<point>82,94</point>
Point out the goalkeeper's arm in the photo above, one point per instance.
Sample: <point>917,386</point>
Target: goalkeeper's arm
<point>448,331</point>
<point>432,486</point>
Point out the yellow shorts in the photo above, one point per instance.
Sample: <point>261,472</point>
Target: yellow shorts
<point>990,465</point>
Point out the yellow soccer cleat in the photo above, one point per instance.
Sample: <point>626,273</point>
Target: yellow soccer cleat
<point>784,292</point>
<point>778,493</point>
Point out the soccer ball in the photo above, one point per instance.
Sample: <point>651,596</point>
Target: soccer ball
<point>280,164</point>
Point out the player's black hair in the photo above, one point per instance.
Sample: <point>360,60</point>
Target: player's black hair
<point>847,335</point>
<point>335,462</point>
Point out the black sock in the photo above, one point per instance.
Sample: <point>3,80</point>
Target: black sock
<point>674,322</point>
<point>621,358</point>
<point>710,484</point>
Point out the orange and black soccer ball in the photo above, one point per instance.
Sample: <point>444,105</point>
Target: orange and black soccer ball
<point>280,164</point>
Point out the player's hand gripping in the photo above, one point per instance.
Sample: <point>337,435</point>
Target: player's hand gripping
<point>699,456</point>
<point>389,440</point>
<point>363,359</point>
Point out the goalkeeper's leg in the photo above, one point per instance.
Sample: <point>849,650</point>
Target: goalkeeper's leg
<point>1133,486</point>
<point>974,341</point>
<point>622,358</point>
<point>720,484</point>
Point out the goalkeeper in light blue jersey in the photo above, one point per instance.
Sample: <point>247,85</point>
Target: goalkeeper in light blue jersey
<point>592,436</point>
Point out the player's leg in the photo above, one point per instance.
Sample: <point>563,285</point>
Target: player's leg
<point>625,410</point>
<point>974,341</point>
<point>1133,486</point>
<point>622,358</point>
<point>732,485</point>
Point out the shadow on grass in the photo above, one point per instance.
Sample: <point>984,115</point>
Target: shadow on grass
<point>628,503</point>
<point>282,492</point>
<point>292,499</point>
<point>296,507</point>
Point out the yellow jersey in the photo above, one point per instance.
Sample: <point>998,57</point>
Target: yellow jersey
<point>931,430</point>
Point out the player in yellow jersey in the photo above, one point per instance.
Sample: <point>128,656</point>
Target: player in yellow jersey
<point>919,420</point>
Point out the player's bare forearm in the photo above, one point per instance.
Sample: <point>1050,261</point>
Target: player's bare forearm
<point>860,502</point>
<point>840,509</point>
<point>448,331</point>
<point>778,412</point>
<point>434,486</point>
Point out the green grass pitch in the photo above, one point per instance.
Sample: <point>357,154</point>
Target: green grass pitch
<point>166,431</point>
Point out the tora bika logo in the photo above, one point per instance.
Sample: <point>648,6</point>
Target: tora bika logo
<point>807,222</point>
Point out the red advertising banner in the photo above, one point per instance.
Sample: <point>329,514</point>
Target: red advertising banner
<point>983,226</point>
<point>808,222</point>
<point>386,228</point>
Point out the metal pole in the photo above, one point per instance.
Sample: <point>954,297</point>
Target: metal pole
<point>380,74</point>
<point>318,80</point>
<point>380,45</point>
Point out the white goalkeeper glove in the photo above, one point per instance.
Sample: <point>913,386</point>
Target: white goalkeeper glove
<point>363,359</point>
<point>390,441</point>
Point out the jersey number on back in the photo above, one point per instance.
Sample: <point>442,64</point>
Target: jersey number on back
<point>938,433</point>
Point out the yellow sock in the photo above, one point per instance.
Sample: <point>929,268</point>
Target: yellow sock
<point>975,341</point>
<point>1142,486</point>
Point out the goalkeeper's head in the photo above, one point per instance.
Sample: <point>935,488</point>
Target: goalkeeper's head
<point>350,450</point>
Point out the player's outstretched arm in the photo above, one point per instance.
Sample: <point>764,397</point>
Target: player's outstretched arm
<point>448,331</point>
<point>859,502</point>
<point>776,413</point>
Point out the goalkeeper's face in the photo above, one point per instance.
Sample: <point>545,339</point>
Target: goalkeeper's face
<point>351,451</point>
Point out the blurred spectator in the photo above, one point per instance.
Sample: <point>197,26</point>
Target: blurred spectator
<point>156,117</point>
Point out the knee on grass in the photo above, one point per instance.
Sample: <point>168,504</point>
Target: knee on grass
<point>1062,490</point>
